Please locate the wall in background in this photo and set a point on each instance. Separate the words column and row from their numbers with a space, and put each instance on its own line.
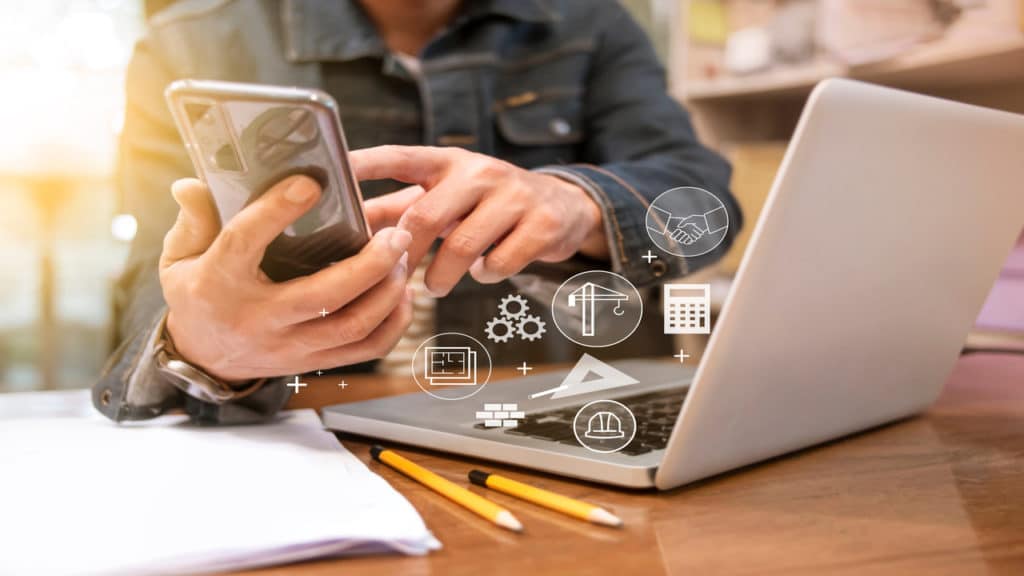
column 62, row 68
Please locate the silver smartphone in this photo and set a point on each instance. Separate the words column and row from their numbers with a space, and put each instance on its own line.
column 243, row 138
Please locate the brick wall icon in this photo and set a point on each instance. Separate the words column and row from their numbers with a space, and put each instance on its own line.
column 500, row 415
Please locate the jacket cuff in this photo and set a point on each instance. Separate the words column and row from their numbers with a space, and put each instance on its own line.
column 130, row 387
column 625, row 213
column 260, row 406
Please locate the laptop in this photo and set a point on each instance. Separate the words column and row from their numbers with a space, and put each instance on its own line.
column 884, row 230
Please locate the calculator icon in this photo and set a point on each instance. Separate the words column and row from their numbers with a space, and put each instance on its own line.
column 687, row 308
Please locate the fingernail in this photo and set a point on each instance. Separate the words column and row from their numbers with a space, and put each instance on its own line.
column 299, row 191
column 400, row 240
column 403, row 263
column 478, row 270
column 176, row 192
column 437, row 293
column 179, row 187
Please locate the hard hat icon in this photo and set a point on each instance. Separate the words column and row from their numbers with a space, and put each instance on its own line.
column 604, row 426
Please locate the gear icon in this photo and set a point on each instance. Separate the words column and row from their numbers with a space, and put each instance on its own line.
column 538, row 330
column 522, row 306
column 502, row 335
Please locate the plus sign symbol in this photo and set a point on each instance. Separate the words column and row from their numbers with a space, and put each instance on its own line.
column 296, row 385
column 682, row 356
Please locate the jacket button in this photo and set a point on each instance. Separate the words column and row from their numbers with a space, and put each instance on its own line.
column 560, row 127
column 658, row 268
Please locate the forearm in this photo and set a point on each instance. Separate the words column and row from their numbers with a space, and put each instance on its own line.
column 623, row 191
column 640, row 143
column 133, row 387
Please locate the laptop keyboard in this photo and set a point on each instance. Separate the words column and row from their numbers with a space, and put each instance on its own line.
column 655, row 414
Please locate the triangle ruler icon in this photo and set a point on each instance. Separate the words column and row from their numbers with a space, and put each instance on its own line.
column 589, row 375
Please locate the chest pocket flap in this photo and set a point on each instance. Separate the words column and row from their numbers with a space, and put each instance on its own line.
column 541, row 118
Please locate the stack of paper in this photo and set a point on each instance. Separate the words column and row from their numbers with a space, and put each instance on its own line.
column 83, row 495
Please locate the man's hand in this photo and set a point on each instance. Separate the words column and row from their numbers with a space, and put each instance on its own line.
column 479, row 203
column 228, row 318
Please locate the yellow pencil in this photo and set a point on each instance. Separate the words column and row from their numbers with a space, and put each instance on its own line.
column 557, row 502
column 473, row 502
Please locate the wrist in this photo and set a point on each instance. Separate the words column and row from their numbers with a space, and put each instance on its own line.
column 191, row 379
column 595, row 242
column 175, row 341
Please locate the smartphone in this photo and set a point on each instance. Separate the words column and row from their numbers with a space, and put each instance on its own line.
column 244, row 138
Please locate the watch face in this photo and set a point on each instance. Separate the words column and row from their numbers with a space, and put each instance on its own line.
column 188, row 378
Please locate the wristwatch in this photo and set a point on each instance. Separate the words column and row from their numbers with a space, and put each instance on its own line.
column 192, row 380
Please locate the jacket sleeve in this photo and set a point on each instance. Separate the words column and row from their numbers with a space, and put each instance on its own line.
column 640, row 143
column 151, row 157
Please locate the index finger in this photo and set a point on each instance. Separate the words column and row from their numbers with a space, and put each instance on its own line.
column 423, row 165
column 387, row 210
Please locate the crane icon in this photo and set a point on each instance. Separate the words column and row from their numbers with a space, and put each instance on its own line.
column 587, row 296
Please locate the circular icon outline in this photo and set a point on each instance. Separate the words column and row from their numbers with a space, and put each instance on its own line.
column 476, row 389
column 681, row 254
column 632, row 434
column 554, row 307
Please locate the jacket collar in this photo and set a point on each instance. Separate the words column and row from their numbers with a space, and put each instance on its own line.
column 339, row 30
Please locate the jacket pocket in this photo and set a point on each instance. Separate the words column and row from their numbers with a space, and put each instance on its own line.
column 552, row 117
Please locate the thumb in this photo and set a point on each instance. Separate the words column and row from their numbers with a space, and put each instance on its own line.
column 197, row 224
column 385, row 211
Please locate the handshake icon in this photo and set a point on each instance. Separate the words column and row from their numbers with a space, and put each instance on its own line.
column 687, row 230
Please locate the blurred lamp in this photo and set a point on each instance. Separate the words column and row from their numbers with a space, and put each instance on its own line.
column 123, row 227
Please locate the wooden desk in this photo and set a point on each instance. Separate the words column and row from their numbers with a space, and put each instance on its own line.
column 938, row 494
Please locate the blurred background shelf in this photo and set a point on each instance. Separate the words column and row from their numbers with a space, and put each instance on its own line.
column 942, row 64
column 974, row 54
column 787, row 80
column 951, row 64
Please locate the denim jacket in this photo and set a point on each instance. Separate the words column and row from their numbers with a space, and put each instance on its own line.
column 568, row 87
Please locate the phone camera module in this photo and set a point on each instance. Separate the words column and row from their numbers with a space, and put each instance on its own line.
column 216, row 147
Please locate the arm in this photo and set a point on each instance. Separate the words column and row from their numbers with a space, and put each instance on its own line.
column 640, row 143
column 496, row 218
column 200, row 293
column 151, row 158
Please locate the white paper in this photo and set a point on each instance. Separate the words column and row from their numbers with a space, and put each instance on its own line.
column 81, row 495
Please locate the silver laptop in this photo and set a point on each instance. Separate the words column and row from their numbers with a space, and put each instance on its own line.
column 885, row 228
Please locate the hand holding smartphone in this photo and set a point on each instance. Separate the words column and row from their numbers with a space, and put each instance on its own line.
column 244, row 138
column 278, row 275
